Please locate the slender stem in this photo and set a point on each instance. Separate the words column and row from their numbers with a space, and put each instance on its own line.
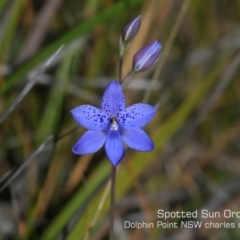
column 113, row 181
column 120, row 69
column 128, row 78
column 122, row 47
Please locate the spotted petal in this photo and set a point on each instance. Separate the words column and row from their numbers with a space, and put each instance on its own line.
column 113, row 99
column 91, row 117
column 136, row 116
column 137, row 139
column 114, row 147
column 90, row 142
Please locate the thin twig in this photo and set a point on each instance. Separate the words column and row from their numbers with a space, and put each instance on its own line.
column 113, row 181
column 50, row 140
column 209, row 103
column 100, row 206
column 29, row 86
column 167, row 49
column 39, row 29
column 214, row 95
column 25, row 164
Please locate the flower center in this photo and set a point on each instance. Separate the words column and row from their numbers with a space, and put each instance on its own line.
column 113, row 124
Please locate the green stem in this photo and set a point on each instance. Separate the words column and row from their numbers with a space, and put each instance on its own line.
column 120, row 69
column 128, row 78
column 113, row 183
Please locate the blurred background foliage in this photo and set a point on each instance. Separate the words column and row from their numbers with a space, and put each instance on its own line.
column 195, row 84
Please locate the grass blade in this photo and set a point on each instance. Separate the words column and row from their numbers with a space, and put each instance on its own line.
column 29, row 86
column 112, row 12
column 25, row 164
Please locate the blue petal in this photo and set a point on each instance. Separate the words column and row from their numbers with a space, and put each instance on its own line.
column 137, row 139
column 90, row 142
column 136, row 116
column 114, row 147
column 91, row 117
column 113, row 99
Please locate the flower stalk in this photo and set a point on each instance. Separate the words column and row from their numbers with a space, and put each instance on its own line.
column 122, row 46
column 127, row 79
column 120, row 69
column 112, row 204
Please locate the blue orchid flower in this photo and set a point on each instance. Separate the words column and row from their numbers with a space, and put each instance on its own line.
column 113, row 125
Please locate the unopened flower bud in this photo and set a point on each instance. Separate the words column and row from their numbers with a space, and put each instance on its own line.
column 146, row 57
column 131, row 29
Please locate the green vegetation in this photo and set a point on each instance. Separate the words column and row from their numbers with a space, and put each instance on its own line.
column 196, row 161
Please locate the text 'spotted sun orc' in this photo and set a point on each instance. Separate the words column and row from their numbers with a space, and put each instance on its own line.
column 115, row 124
